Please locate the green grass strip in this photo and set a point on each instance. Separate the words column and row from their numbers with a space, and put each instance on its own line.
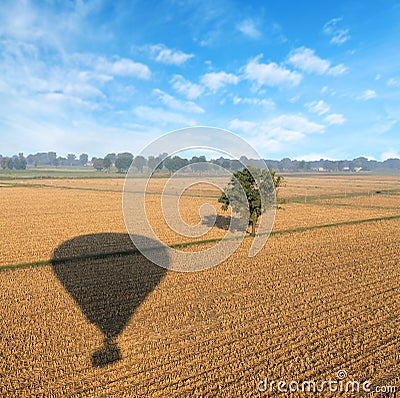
column 338, row 224
column 307, row 199
column 356, row 206
column 191, row 243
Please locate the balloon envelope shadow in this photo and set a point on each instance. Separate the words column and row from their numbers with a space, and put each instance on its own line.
column 108, row 278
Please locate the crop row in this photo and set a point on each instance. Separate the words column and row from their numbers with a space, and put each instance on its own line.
column 308, row 305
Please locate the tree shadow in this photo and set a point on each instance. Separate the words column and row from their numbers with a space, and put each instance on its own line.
column 108, row 278
column 223, row 222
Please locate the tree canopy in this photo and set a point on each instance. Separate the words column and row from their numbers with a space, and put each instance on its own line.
column 98, row 164
column 175, row 163
column 123, row 161
column 140, row 162
column 259, row 186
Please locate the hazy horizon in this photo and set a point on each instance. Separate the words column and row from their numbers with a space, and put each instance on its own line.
column 196, row 153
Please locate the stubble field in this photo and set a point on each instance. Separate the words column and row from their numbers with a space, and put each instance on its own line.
column 96, row 318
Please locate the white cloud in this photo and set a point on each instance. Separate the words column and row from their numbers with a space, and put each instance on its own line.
column 174, row 103
column 295, row 98
column 383, row 126
column 66, row 101
column 20, row 20
column 264, row 102
column 337, row 70
column 168, row 56
column 267, row 145
column 185, row 87
column 160, row 116
column 94, row 77
column 270, row 74
column 338, row 35
column 216, row 80
column 319, row 107
column 243, row 125
column 297, row 123
column 328, row 91
column 390, row 155
column 103, row 69
column 282, row 128
column 257, row 137
column 367, row 95
column 394, row 82
column 307, row 61
column 248, row 28
column 53, row 26
column 335, row 118
column 124, row 67
column 54, row 90
column 83, row 90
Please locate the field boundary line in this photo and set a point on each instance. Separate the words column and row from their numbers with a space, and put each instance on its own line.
column 355, row 206
column 314, row 198
column 191, row 243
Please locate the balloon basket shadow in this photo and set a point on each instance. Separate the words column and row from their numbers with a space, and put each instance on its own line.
column 106, row 355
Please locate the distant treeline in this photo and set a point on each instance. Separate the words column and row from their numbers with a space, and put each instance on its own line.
column 122, row 161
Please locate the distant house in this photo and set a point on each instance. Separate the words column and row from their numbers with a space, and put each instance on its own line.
column 357, row 169
column 346, row 168
column 89, row 164
column 321, row 169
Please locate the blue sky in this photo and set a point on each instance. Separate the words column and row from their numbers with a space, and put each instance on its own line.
column 305, row 80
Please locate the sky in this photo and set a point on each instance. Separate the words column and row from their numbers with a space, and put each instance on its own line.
column 299, row 79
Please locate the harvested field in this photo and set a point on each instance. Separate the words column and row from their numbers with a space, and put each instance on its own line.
column 299, row 187
column 372, row 200
column 156, row 185
column 98, row 319
column 312, row 303
column 296, row 187
column 88, row 183
column 295, row 215
column 34, row 212
column 42, row 219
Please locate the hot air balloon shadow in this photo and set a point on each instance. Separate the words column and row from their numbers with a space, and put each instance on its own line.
column 108, row 278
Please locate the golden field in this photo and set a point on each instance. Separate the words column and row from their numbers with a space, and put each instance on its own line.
column 337, row 185
column 372, row 200
column 297, row 186
column 35, row 211
column 312, row 302
column 34, row 237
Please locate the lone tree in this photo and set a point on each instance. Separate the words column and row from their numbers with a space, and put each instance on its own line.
column 267, row 181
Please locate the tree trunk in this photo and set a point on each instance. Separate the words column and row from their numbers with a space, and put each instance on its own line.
column 253, row 221
column 253, row 229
